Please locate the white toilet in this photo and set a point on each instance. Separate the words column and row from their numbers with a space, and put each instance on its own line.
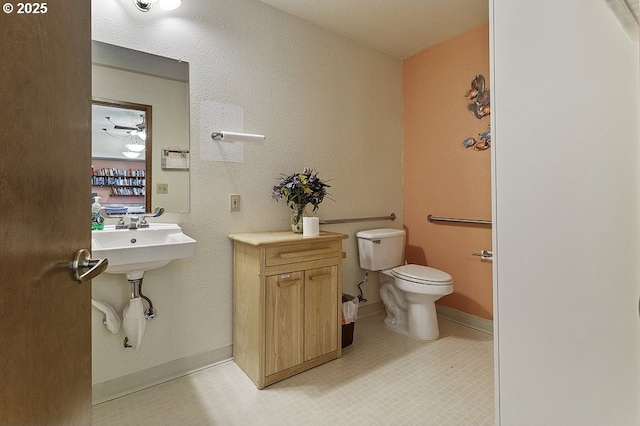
column 408, row 292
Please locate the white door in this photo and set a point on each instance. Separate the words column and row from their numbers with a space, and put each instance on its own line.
column 566, row 207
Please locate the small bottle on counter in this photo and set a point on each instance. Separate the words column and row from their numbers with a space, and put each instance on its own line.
column 97, row 221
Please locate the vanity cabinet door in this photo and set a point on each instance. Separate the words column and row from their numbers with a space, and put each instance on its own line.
column 321, row 311
column 284, row 316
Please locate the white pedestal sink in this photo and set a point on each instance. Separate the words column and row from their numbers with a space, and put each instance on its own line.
column 133, row 251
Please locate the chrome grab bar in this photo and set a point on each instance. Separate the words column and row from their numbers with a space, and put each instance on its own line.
column 431, row 219
column 391, row 217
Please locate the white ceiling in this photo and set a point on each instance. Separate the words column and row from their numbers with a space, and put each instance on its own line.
column 400, row 28
column 111, row 144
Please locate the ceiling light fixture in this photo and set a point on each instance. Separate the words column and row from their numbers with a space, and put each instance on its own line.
column 135, row 147
column 131, row 154
column 169, row 4
column 134, row 142
column 145, row 5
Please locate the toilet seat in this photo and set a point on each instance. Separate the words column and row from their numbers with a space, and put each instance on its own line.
column 423, row 275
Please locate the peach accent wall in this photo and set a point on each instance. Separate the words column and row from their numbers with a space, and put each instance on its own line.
column 442, row 178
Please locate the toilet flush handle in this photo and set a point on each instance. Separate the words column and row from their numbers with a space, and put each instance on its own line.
column 484, row 254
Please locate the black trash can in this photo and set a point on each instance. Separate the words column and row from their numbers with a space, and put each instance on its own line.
column 349, row 314
column 347, row 334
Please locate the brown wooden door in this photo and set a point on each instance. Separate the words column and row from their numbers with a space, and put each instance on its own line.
column 45, row 110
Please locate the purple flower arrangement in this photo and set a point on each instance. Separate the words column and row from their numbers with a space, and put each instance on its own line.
column 300, row 189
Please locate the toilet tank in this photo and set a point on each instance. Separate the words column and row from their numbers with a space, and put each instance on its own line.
column 380, row 249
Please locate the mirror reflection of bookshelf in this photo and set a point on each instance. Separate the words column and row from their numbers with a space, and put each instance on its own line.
column 128, row 182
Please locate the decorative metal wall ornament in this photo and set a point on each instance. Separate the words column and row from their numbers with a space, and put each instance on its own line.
column 485, row 140
column 480, row 107
column 469, row 142
column 480, row 97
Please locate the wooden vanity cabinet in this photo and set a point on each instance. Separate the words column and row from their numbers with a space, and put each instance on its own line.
column 287, row 303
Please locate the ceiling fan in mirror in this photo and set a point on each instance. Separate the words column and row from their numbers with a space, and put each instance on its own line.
column 136, row 133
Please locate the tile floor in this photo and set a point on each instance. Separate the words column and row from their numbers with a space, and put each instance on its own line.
column 383, row 378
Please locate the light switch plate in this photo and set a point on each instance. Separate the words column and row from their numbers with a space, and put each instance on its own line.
column 162, row 188
column 234, row 203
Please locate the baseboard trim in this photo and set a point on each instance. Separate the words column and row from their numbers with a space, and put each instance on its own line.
column 468, row 320
column 370, row 309
column 115, row 388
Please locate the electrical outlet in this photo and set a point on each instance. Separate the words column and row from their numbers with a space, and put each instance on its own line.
column 234, row 201
column 162, row 188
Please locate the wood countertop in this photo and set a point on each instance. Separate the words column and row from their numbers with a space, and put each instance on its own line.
column 277, row 237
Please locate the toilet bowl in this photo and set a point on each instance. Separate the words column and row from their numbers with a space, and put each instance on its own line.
column 409, row 292
column 420, row 286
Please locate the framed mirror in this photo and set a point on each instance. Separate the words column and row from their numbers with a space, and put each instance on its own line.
column 146, row 98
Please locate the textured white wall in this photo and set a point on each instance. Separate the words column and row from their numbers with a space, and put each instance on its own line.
column 322, row 100
column 565, row 109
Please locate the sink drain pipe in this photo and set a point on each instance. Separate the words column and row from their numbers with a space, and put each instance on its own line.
column 136, row 291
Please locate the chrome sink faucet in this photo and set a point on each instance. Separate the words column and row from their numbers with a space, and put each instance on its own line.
column 133, row 224
column 120, row 224
column 157, row 212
